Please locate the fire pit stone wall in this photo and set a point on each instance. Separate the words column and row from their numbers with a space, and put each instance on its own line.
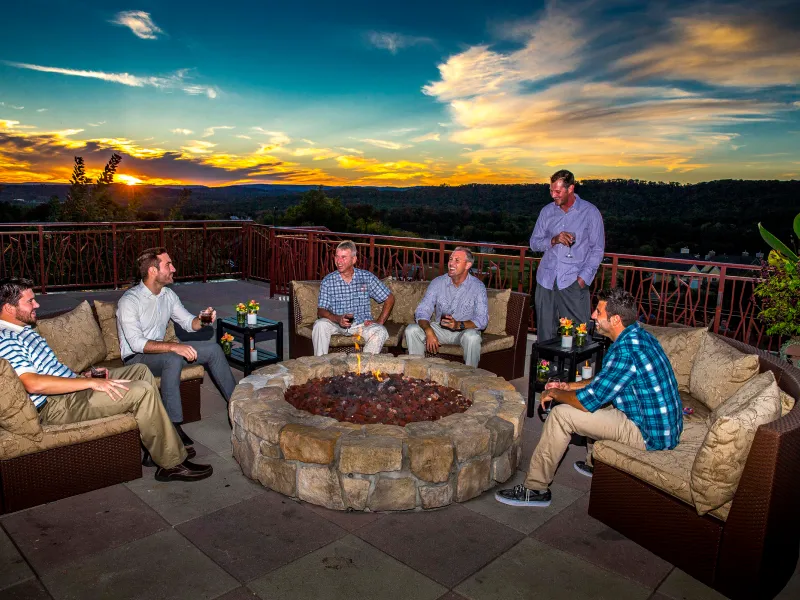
column 342, row 465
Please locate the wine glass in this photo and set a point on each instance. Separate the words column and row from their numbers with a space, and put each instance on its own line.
column 546, row 411
column 574, row 239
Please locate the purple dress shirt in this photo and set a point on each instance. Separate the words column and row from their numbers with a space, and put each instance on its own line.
column 584, row 220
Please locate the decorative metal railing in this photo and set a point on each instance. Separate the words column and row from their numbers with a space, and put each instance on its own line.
column 689, row 292
column 95, row 255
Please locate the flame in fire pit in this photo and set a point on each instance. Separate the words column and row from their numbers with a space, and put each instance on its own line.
column 377, row 375
column 358, row 340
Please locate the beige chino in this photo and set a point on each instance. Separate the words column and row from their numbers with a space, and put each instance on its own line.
column 142, row 400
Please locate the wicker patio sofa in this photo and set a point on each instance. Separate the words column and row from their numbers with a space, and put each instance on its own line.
column 503, row 348
column 745, row 548
column 41, row 464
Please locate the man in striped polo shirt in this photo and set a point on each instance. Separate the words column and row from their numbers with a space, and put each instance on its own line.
column 61, row 396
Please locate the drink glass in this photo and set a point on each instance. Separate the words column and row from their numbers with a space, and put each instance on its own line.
column 99, row 372
column 574, row 239
column 447, row 316
column 546, row 410
column 349, row 318
column 205, row 316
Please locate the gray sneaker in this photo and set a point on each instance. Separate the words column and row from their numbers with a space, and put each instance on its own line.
column 584, row 469
column 519, row 495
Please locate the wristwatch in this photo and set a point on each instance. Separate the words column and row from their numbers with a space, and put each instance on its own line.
column 461, row 325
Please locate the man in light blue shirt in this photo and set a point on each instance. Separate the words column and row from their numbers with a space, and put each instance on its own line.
column 570, row 233
column 460, row 309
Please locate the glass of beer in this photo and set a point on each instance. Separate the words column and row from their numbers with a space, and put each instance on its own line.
column 205, row 316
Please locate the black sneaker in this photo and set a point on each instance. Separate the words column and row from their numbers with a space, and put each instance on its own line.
column 519, row 495
column 584, row 469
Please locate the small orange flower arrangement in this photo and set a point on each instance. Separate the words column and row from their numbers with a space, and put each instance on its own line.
column 581, row 330
column 226, row 341
column 566, row 326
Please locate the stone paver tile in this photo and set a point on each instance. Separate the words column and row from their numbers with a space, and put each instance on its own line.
column 179, row 501
column 680, row 586
column 258, row 535
column 533, row 570
column 211, row 401
column 241, row 593
column 213, row 432
column 72, row 528
column 29, row 590
column 163, row 565
column 791, row 591
column 566, row 473
column 349, row 521
column 346, row 569
column 575, row 532
column 446, row 545
column 523, row 519
column 452, row 596
column 13, row 568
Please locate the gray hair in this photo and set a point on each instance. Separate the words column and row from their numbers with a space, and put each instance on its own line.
column 347, row 245
column 467, row 251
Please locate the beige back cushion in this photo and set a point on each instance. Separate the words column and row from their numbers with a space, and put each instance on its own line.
column 498, row 311
column 681, row 346
column 407, row 296
column 306, row 294
column 17, row 413
column 107, row 315
column 75, row 337
column 720, row 461
column 719, row 370
column 787, row 403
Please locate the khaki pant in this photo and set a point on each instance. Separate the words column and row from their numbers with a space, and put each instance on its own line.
column 469, row 340
column 142, row 400
column 564, row 420
column 373, row 336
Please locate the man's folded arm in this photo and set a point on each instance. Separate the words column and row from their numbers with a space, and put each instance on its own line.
column 49, row 385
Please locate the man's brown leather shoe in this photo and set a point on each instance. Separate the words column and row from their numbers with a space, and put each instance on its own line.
column 186, row 471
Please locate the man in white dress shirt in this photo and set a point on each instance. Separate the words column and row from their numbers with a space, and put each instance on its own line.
column 143, row 313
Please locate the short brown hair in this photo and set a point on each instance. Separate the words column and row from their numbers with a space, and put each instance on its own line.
column 11, row 289
column 348, row 245
column 619, row 302
column 149, row 258
column 566, row 176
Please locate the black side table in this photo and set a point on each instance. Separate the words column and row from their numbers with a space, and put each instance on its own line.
column 568, row 358
column 240, row 357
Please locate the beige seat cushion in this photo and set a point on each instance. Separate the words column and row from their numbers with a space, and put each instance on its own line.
column 407, row 296
column 187, row 373
column 55, row 436
column 787, row 403
column 668, row 470
column 75, row 337
column 719, row 370
column 681, row 346
column 498, row 311
column 18, row 415
column 306, row 295
column 721, row 458
column 107, row 315
column 395, row 331
column 701, row 411
column 489, row 343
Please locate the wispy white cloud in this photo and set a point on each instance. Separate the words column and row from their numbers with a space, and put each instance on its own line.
column 386, row 144
column 402, row 131
column 12, row 106
column 350, row 150
column 97, row 124
column 41, row 110
column 139, row 22
column 309, row 142
column 175, row 81
column 275, row 137
column 393, row 42
column 209, row 131
column 244, row 137
column 198, row 147
column 182, row 131
column 433, row 136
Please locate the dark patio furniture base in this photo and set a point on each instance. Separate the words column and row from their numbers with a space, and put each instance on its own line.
column 57, row 473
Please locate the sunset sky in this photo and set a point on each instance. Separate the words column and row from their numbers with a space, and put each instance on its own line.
column 399, row 94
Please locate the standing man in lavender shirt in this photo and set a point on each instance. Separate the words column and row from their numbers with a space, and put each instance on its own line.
column 460, row 308
column 570, row 233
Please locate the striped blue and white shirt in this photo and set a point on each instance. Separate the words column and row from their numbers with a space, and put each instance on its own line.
column 28, row 352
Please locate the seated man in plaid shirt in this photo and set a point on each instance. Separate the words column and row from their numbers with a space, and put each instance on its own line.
column 633, row 400
column 343, row 306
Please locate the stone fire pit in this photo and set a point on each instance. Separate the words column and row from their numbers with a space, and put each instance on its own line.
column 343, row 466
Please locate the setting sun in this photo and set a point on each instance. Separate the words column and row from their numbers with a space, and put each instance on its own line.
column 128, row 179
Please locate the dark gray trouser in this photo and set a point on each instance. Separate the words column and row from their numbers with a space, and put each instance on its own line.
column 168, row 366
column 572, row 302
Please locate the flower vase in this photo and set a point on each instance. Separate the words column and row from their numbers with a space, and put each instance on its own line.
column 541, row 375
column 252, row 318
column 580, row 340
column 566, row 341
column 241, row 318
column 226, row 348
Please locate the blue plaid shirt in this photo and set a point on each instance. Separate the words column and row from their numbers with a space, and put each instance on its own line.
column 341, row 298
column 638, row 379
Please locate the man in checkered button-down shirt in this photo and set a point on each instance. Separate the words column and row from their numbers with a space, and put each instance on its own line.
column 344, row 308
column 633, row 400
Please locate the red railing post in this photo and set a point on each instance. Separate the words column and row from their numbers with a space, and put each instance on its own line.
column 521, row 268
column 205, row 251
column 441, row 258
column 372, row 254
column 247, row 249
column 42, row 273
column 273, row 257
column 720, row 295
column 614, row 265
column 114, row 255
column 310, row 256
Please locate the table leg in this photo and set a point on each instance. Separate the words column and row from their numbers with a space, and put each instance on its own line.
column 279, row 342
column 246, row 336
column 532, row 381
column 220, row 329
